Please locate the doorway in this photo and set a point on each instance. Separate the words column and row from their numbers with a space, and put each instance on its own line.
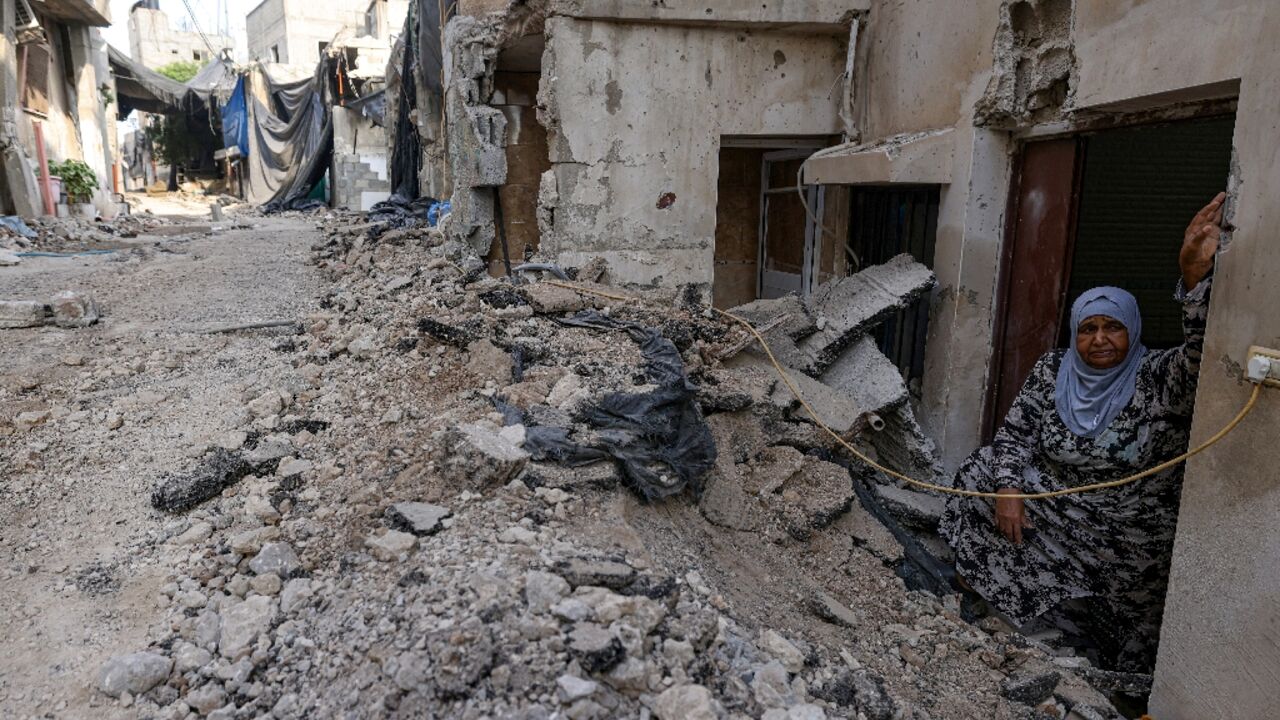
column 1103, row 208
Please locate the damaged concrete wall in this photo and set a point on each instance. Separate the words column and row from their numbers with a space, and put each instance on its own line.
column 1167, row 51
column 1048, row 65
column 477, row 132
column 904, row 85
column 18, row 193
column 360, row 175
column 634, row 115
column 1218, row 651
column 1034, row 64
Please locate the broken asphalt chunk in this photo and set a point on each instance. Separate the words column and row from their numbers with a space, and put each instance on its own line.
column 446, row 334
column 216, row 471
column 1030, row 689
column 595, row 649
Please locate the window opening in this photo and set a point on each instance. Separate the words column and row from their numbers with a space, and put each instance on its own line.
column 885, row 222
column 788, row 236
column 35, row 71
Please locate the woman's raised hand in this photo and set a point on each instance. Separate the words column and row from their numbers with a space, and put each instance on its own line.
column 1200, row 242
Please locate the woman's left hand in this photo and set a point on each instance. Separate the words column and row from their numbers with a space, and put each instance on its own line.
column 1200, row 242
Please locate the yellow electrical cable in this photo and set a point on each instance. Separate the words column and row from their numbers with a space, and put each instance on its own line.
column 1248, row 407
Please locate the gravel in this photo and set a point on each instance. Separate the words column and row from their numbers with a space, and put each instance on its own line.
column 428, row 566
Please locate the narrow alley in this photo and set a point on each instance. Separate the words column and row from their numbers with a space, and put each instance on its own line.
column 655, row 359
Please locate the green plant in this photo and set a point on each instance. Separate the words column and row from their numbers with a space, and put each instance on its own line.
column 182, row 70
column 175, row 141
column 78, row 179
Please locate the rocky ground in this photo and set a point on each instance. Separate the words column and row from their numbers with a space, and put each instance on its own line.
column 335, row 519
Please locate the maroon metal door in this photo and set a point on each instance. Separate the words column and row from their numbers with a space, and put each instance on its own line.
column 1035, row 267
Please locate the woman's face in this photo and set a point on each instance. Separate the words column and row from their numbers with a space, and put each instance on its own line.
column 1102, row 341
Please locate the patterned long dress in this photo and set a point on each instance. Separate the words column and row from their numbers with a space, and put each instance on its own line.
column 1106, row 552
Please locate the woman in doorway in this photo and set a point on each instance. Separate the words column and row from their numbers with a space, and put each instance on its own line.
column 1103, row 409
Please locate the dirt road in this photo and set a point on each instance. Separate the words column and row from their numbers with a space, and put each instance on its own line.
column 128, row 399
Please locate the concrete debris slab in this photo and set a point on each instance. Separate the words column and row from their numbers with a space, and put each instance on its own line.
column 686, row 702
column 543, row 590
column 596, row 649
column 850, row 306
column 912, row 508
column 575, row 688
column 417, row 518
column 488, row 361
column 133, row 673
column 249, row 542
column 206, row 698
column 22, row 313
column 476, row 456
column 291, row 466
column 553, row 299
column 602, row 573
column 831, row 610
column 8, row 258
column 27, row 420
column 243, row 623
column 788, row 313
column 783, row 650
column 903, row 445
column 838, row 410
column 277, row 558
column 390, row 545
column 73, row 310
column 867, row 376
column 869, row 533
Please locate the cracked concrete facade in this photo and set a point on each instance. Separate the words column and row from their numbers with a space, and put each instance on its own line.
column 635, row 98
column 633, row 178
column 1006, row 72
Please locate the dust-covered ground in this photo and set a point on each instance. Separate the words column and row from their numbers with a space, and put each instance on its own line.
column 351, row 527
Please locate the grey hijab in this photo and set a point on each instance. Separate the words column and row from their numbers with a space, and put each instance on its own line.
column 1088, row 399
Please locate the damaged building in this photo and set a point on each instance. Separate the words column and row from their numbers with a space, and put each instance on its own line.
column 1022, row 150
column 55, row 91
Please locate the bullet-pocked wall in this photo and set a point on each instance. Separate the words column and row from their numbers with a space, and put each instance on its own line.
column 634, row 114
column 914, row 74
column 1010, row 71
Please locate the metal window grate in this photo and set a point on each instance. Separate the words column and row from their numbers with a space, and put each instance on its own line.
column 24, row 18
column 885, row 222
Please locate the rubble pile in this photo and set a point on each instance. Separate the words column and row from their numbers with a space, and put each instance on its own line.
column 60, row 235
column 448, row 509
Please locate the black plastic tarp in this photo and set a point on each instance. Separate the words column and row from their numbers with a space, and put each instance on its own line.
column 372, row 106
column 417, row 62
column 658, row 439
column 290, row 138
column 138, row 88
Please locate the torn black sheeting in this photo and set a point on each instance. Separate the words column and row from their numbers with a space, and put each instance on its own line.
column 659, row 439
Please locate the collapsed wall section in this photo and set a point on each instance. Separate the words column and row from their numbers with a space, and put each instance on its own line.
column 1035, row 73
column 634, row 115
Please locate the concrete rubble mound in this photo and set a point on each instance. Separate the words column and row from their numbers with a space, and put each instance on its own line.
column 455, row 533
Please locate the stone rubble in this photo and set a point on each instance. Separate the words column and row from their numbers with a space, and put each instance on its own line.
column 325, row 562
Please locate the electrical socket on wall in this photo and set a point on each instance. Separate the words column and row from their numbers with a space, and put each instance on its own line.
column 1264, row 365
